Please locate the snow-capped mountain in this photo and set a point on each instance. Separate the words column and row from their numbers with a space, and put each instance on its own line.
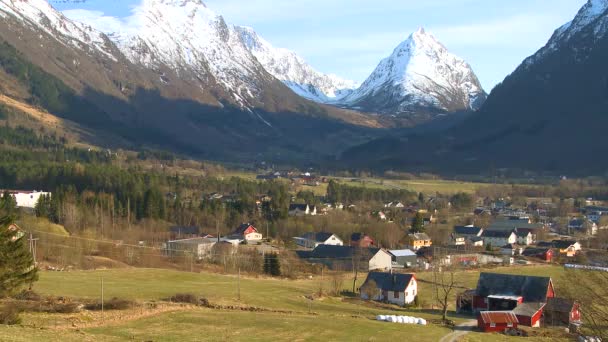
column 290, row 68
column 592, row 16
column 420, row 74
column 40, row 14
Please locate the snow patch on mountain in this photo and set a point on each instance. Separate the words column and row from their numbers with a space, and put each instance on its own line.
column 593, row 14
column 39, row 14
column 293, row 70
column 189, row 38
column 421, row 73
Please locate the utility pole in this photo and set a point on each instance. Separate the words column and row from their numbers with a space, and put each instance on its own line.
column 102, row 318
column 239, row 283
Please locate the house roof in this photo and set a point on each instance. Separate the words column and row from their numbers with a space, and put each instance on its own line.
column 295, row 206
column 390, row 281
column 185, row 230
column 562, row 244
column 522, row 233
column 528, row 309
column 498, row 317
column 535, row 251
column 401, row 252
column 240, row 230
column 419, row 236
column 497, row 233
column 467, row 230
column 514, row 224
column 559, row 305
column 193, row 241
column 340, row 252
column 532, row 288
column 318, row 237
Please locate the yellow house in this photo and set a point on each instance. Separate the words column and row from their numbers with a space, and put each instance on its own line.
column 416, row 241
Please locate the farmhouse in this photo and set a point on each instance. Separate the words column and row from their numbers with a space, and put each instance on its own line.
column 312, row 240
column 496, row 321
column 567, row 247
column 302, row 210
column 529, row 314
column 519, row 225
column 545, row 254
column 395, row 288
column 348, row 258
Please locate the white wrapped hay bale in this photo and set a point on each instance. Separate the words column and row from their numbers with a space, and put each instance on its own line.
column 421, row 321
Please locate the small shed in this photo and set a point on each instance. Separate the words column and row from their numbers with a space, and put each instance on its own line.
column 529, row 314
column 496, row 321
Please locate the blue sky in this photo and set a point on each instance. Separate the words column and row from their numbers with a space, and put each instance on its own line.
column 350, row 37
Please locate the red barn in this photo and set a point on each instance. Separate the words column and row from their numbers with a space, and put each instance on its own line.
column 497, row 291
column 545, row 254
column 496, row 321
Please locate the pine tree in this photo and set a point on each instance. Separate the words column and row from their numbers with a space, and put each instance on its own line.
column 16, row 263
column 418, row 224
column 275, row 265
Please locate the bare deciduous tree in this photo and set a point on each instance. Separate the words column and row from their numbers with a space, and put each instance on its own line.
column 444, row 284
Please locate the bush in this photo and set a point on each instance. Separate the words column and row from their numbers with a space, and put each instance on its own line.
column 9, row 314
column 28, row 295
column 188, row 298
column 112, row 304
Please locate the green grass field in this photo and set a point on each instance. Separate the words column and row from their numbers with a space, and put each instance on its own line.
column 332, row 318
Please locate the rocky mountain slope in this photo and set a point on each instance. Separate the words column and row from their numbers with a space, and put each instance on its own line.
column 547, row 116
column 293, row 70
column 419, row 76
column 174, row 75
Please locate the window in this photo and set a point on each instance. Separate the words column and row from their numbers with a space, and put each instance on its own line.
column 492, row 325
column 395, row 294
column 510, row 325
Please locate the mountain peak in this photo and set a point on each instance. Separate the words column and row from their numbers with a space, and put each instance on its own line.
column 178, row 3
column 419, row 74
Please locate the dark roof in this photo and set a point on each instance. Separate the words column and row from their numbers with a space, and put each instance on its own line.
column 318, row 237
column 508, row 246
column 528, row 309
column 295, row 206
column 465, row 230
column 535, row 251
column 532, row 288
column 242, row 228
column 563, row 243
column 522, row 233
column 559, row 305
column 387, row 281
column 496, row 233
column 545, row 244
column 193, row 230
column 339, row 252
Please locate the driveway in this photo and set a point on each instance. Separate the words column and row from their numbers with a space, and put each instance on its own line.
column 459, row 331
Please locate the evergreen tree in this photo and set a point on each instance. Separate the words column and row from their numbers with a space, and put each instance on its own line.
column 8, row 204
column 275, row 265
column 418, row 224
column 16, row 263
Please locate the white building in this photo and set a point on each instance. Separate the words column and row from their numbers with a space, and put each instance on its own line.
column 312, row 240
column 498, row 238
column 302, row 210
column 395, row 288
column 27, row 199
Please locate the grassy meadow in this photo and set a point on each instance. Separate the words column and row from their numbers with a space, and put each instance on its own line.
column 322, row 319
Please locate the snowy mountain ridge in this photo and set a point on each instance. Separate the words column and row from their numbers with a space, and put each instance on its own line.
column 420, row 73
column 293, row 70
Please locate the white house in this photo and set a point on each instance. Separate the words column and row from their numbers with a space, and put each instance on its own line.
column 27, row 199
column 524, row 238
column 498, row 237
column 302, row 210
column 395, row 288
column 382, row 260
column 312, row 240
column 246, row 232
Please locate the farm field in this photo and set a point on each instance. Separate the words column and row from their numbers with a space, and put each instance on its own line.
column 329, row 318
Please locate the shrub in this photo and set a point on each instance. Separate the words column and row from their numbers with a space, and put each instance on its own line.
column 188, row 298
column 28, row 295
column 111, row 304
column 9, row 314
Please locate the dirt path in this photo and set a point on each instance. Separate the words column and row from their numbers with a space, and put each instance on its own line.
column 459, row 331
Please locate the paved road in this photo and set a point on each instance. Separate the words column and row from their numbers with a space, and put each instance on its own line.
column 459, row 331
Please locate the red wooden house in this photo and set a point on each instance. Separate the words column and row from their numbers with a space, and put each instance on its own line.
column 561, row 311
column 545, row 254
column 496, row 321
column 361, row 240
column 529, row 314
